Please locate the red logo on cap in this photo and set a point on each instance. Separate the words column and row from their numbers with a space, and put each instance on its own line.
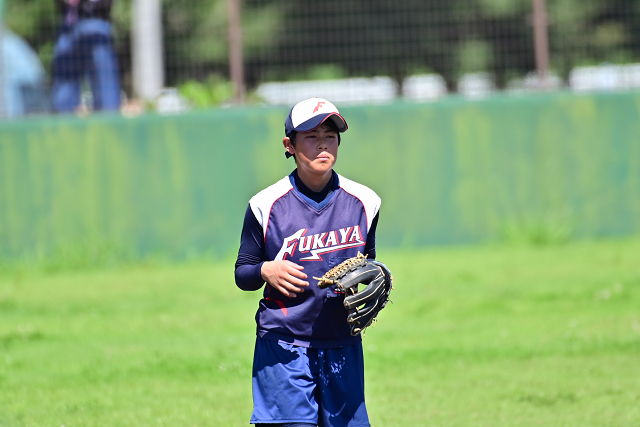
column 320, row 104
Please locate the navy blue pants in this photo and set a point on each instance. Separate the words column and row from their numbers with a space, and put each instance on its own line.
column 85, row 49
column 318, row 386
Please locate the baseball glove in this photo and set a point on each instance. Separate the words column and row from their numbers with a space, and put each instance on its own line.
column 365, row 305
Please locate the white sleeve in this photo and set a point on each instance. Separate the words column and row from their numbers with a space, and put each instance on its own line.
column 367, row 196
column 262, row 202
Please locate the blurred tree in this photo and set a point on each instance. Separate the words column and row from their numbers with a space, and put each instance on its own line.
column 594, row 32
column 284, row 39
column 35, row 21
column 195, row 34
column 387, row 37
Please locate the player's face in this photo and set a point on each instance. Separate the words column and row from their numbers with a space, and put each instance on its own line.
column 317, row 150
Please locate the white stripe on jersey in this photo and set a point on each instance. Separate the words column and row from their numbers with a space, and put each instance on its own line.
column 262, row 202
column 367, row 196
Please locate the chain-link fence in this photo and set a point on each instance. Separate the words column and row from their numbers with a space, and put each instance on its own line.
column 351, row 51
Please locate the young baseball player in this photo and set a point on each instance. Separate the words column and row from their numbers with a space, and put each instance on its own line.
column 308, row 370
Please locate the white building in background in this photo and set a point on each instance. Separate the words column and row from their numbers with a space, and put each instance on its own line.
column 424, row 87
column 476, row 85
column 432, row 87
column 605, row 77
column 373, row 90
column 533, row 83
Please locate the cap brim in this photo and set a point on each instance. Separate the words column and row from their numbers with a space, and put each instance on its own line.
column 316, row 121
column 340, row 122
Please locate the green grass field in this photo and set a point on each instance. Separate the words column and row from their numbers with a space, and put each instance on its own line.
column 477, row 336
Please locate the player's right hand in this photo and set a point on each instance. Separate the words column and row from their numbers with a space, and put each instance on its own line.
column 286, row 276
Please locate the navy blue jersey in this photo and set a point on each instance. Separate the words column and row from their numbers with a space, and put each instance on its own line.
column 317, row 236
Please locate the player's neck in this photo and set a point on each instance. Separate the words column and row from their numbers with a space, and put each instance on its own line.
column 315, row 182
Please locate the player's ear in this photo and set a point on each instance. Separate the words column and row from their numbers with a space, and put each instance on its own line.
column 288, row 146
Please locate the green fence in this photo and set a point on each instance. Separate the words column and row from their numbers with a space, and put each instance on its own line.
column 537, row 167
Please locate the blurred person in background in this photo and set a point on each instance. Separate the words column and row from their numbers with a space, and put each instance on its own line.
column 23, row 80
column 84, row 48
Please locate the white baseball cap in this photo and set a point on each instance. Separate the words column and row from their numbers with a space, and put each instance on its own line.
column 309, row 114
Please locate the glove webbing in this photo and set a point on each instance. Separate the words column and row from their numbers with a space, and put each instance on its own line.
column 331, row 277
